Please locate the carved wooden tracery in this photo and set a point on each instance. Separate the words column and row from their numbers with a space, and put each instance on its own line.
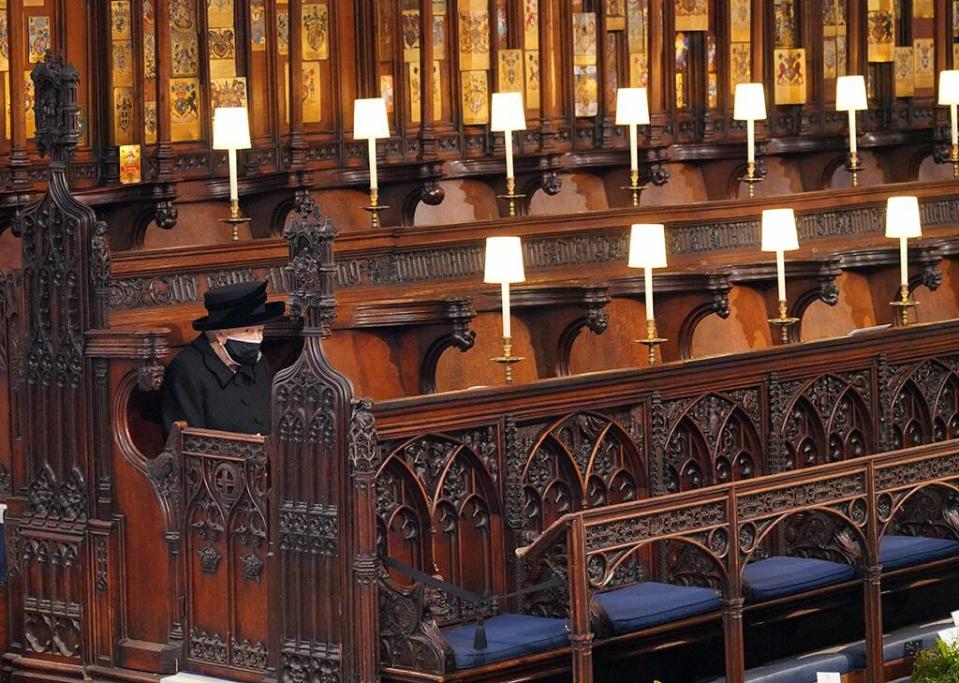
column 827, row 419
column 713, row 439
column 925, row 403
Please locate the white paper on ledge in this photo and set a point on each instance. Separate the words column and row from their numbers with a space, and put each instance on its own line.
column 184, row 677
column 949, row 636
column 955, row 618
column 828, row 677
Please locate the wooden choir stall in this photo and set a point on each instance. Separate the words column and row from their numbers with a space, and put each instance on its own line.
column 672, row 395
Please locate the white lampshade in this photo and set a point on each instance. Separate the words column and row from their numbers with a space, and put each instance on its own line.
column 231, row 128
column 632, row 107
column 902, row 217
column 851, row 93
column 508, row 112
column 779, row 230
column 504, row 260
column 949, row 87
column 750, row 102
column 369, row 119
column 647, row 246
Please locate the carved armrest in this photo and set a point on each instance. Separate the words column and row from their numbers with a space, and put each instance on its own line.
column 410, row 636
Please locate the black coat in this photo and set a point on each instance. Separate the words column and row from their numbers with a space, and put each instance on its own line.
column 201, row 390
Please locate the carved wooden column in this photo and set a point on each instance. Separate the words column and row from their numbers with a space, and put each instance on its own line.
column 313, row 522
column 166, row 213
column 872, row 584
column 18, row 133
column 732, row 603
column 364, row 462
column 580, row 635
column 62, row 556
column 297, row 144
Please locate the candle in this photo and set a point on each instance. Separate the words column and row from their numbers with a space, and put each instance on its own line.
column 751, row 141
column 634, row 151
column 234, row 191
column 955, row 124
column 374, row 181
column 781, row 274
column 903, row 262
column 506, row 327
column 648, row 288
column 852, row 131
column 508, row 139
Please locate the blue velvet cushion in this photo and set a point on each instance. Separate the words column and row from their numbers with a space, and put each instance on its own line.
column 801, row 669
column 650, row 603
column 903, row 551
column 894, row 644
column 779, row 576
column 507, row 636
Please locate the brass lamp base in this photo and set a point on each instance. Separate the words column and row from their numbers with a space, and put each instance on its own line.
column 903, row 305
column 751, row 178
column 634, row 187
column 507, row 359
column 954, row 160
column 511, row 195
column 375, row 208
column 783, row 322
column 235, row 220
column 652, row 341
column 854, row 167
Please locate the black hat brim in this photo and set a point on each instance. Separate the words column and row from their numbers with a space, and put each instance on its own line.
column 271, row 310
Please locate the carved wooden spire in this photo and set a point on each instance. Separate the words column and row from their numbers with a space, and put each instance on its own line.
column 312, row 266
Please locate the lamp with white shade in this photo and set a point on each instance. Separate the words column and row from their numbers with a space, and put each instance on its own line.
column 371, row 123
column 632, row 109
column 508, row 115
column 949, row 97
column 231, row 131
column 504, row 266
column 779, row 235
column 851, row 97
column 750, row 106
column 647, row 250
column 903, row 222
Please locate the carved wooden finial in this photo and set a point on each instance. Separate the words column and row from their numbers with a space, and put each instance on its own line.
column 312, row 266
column 55, row 107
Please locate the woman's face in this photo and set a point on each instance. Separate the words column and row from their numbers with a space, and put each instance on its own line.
column 246, row 334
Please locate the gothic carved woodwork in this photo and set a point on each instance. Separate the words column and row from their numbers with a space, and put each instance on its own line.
column 225, row 535
column 924, row 404
column 711, row 440
column 310, row 468
column 825, row 420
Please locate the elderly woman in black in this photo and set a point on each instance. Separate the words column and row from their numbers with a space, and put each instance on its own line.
column 221, row 380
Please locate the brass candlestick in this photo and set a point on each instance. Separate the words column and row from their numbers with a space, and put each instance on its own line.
column 651, row 341
column 235, row 220
column 854, row 167
column 507, row 359
column 511, row 195
column 954, row 160
column 634, row 187
column 752, row 178
column 904, row 304
column 374, row 208
column 783, row 322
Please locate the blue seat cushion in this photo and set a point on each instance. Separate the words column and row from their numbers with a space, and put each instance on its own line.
column 903, row 551
column 894, row 644
column 507, row 636
column 779, row 576
column 650, row 603
column 802, row 669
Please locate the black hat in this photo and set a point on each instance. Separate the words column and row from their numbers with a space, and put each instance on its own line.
column 239, row 305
